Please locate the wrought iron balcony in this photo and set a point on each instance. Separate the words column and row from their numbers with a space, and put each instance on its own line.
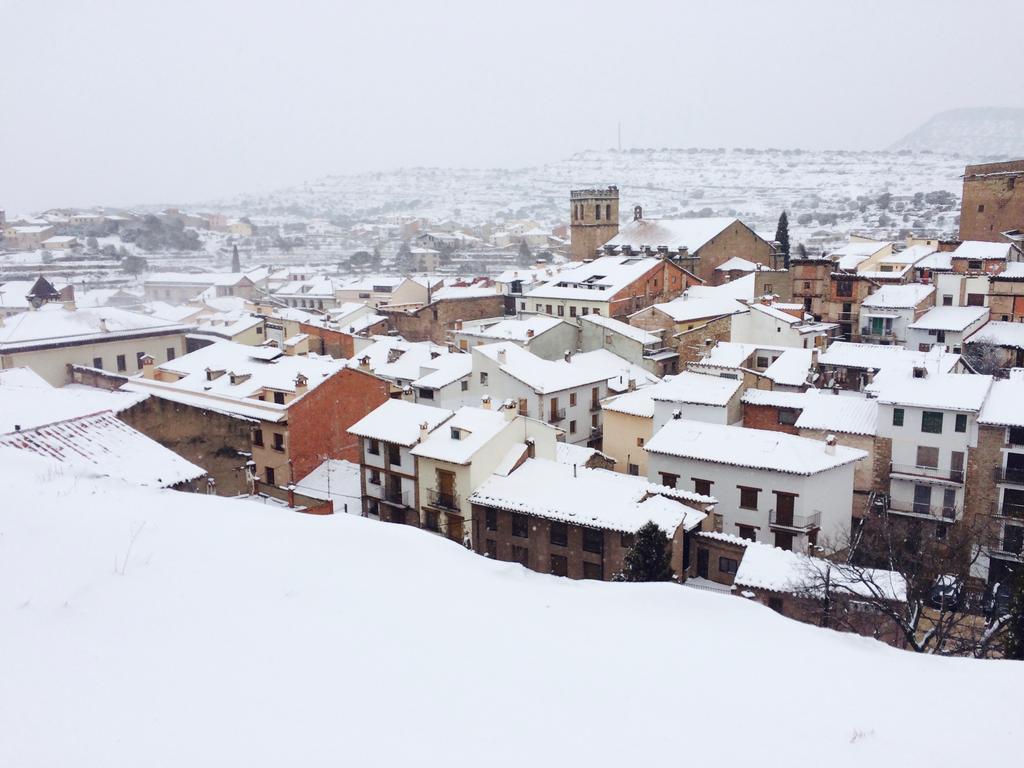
column 396, row 497
column 443, row 500
column 940, row 513
column 932, row 473
column 1006, row 509
column 1008, row 475
column 555, row 415
column 794, row 522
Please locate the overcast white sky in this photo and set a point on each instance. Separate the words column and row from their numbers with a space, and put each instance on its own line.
column 149, row 101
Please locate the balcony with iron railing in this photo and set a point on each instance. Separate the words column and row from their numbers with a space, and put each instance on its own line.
column 1008, row 475
column 885, row 334
column 846, row 317
column 913, row 471
column 448, row 500
column 794, row 522
column 1007, row 509
column 941, row 513
column 556, row 415
column 396, row 497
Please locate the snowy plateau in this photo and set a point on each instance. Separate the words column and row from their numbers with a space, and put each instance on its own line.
column 152, row 628
column 828, row 194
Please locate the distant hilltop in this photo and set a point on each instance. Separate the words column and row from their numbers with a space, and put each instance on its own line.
column 974, row 134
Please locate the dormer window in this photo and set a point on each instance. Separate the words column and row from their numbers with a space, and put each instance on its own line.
column 456, row 433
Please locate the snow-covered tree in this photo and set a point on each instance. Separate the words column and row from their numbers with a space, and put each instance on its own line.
column 649, row 559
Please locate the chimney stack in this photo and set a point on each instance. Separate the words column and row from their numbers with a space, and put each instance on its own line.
column 529, row 333
column 502, row 357
column 830, row 445
column 364, row 363
column 485, row 402
column 147, row 366
column 631, row 385
column 511, row 410
column 567, row 355
column 301, row 385
column 424, row 431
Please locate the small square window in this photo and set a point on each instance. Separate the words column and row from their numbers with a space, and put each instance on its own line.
column 483, row 377
column 728, row 565
column 748, row 498
column 559, row 565
column 593, row 541
column 572, row 427
column 931, row 422
column 465, row 385
column 560, row 534
column 520, row 526
column 492, row 519
column 639, row 442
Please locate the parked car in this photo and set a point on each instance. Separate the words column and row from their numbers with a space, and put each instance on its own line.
column 997, row 602
column 946, row 593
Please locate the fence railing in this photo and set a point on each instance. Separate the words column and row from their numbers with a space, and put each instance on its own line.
column 443, row 499
column 936, row 473
column 798, row 522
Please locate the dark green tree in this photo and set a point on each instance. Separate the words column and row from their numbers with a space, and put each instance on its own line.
column 134, row 265
column 525, row 257
column 782, row 237
column 1015, row 619
column 403, row 259
column 236, row 264
column 649, row 559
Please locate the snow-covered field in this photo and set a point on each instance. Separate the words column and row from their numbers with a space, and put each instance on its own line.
column 836, row 189
column 149, row 628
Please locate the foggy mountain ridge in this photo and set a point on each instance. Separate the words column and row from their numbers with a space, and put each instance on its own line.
column 981, row 134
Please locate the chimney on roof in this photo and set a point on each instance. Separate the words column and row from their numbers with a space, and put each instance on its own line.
column 424, row 431
column 103, row 325
column 147, row 366
column 502, row 357
column 529, row 333
column 301, row 385
column 485, row 402
column 364, row 363
column 567, row 355
column 511, row 410
column 677, row 414
column 871, row 375
column 830, row 445
column 457, row 325
column 631, row 385
column 638, row 213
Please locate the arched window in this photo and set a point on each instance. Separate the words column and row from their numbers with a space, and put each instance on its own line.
column 597, row 211
column 608, row 212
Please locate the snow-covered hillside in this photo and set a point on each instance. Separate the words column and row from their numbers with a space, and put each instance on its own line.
column 836, row 191
column 147, row 628
column 989, row 133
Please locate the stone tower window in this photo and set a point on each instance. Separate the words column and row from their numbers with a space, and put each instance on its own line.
column 608, row 212
column 597, row 211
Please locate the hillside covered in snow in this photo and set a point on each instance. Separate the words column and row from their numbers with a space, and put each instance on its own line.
column 142, row 627
column 827, row 193
column 980, row 134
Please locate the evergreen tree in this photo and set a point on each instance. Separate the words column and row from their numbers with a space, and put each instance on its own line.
column 403, row 259
column 649, row 557
column 1015, row 626
column 236, row 264
column 782, row 237
column 802, row 250
column 525, row 257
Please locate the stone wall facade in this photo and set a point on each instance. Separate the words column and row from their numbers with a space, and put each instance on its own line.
column 432, row 322
column 735, row 240
column 992, row 201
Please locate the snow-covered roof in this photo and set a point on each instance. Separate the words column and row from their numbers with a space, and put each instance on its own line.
column 27, row 400
column 398, row 421
column 463, row 292
column 736, row 264
column 899, row 296
column 740, row 288
column 792, row 367
column 950, row 391
column 910, row 256
column 228, row 324
column 1001, row 333
column 852, row 254
column 103, row 444
column 981, row 250
column 940, row 260
column 1003, row 405
column 514, row 329
column 621, row 328
column 689, row 307
column 595, row 498
column 773, row 397
column 444, row 370
column 243, row 371
column 475, row 428
column 846, row 354
column 687, row 387
column 583, row 368
column 838, row 413
column 674, row 234
column 949, row 318
column 597, row 280
column 53, row 324
column 751, row 448
column 335, row 480
column 781, row 570
column 570, row 453
column 1014, row 271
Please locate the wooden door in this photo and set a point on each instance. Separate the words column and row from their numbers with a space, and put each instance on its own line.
column 446, row 489
column 784, row 508
column 703, row 558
